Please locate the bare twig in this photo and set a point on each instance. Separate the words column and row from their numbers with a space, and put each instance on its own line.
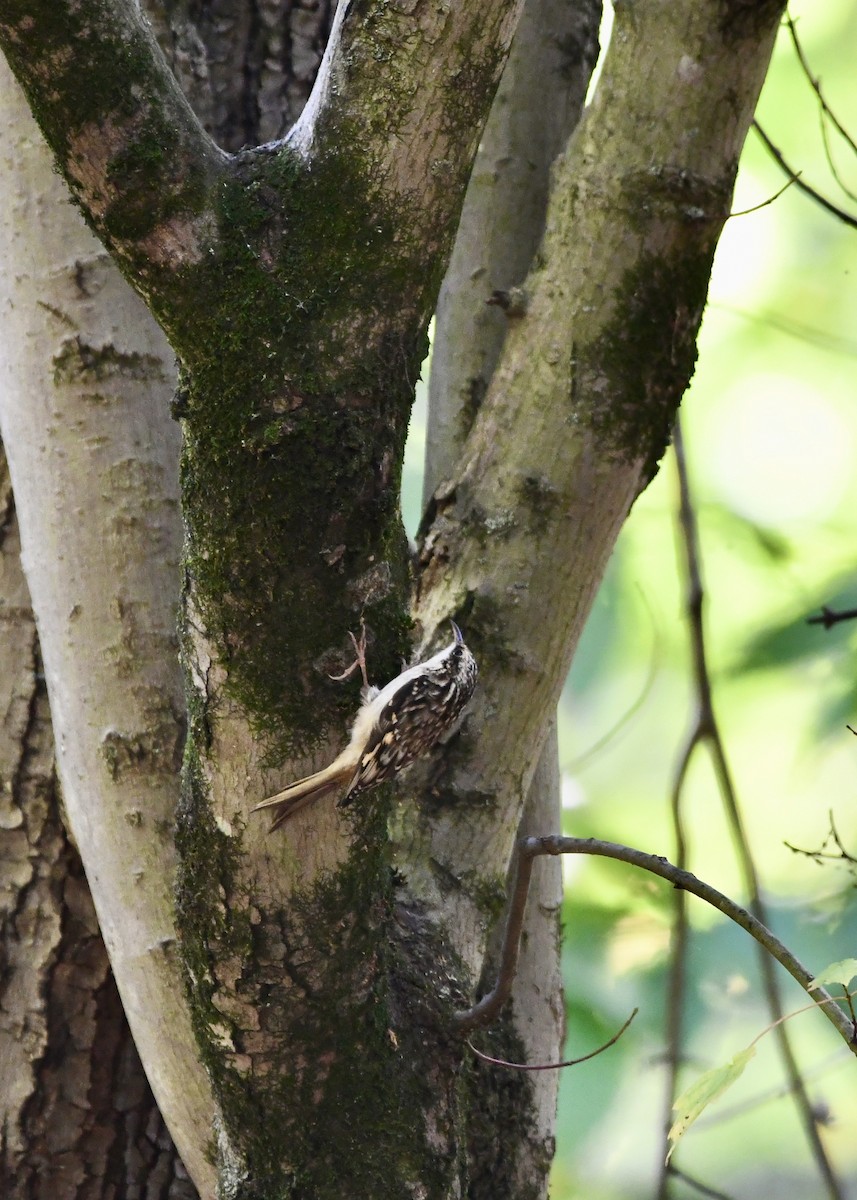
column 828, row 617
column 745, row 212
column 702, row 1188
column 816, row 86
column 555, row 1066
column 828, row 205
column 533, row 847
column 828, row 154
column 706, row 729
column 840, row 854
column 825, row 112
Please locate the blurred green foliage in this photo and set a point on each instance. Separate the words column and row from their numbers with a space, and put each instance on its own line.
column 771, row 431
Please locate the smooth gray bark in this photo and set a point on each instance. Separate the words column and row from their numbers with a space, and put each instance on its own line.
column 538, row 103
column 581, row 404
column 86, row 378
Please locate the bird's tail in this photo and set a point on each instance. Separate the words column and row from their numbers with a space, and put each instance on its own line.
column 305, row 791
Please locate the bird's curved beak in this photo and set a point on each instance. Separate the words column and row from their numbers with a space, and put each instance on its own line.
column 457, row 632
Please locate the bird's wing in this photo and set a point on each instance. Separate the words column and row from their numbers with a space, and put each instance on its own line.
column 401, row 734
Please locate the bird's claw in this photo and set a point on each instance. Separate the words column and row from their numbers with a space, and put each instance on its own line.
column 360, row 659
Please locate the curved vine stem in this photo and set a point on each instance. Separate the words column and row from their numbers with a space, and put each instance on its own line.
column 533, row 847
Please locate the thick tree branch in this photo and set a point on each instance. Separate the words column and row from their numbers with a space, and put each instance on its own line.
column 411, row 86
column 538, row 103
column 543, row 486
column 85, row 381
column 394, row 115
column 125, row 138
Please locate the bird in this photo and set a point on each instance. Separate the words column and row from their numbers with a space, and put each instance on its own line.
column 395, row 725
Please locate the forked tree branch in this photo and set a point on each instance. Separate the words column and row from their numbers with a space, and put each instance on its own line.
column 161, row 194
column 794, row 176
column 605, row 294
column 706, row 731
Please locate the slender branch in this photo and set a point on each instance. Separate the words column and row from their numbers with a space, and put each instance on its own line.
column 702, row 1188
column 828, row 154
column 707, row 730
column 828, row 617
column 840, row 855
column 554, row 1066
column 534, row 847
column 745, row 212
column 825, row 112
column 701, row 728
column 779, row 158
column 816, row 86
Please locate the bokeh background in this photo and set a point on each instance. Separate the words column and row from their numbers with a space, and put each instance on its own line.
column 770, row 426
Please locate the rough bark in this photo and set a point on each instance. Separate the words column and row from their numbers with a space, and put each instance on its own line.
column 86, row 382
column 247, row 69
column 288, row 355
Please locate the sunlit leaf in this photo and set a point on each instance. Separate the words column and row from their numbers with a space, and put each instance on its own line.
column 702, row 1091
column 839, row 972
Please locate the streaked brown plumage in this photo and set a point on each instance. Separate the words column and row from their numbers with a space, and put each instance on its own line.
column 395, row 726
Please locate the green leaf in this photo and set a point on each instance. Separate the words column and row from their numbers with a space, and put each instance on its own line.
column 839, row 972
column 706, row 1088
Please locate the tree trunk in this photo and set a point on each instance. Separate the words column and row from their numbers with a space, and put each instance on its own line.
column 87, row 379
column 78, row 1116
column 113, row 1139
column 295, row 281
column 538, row 103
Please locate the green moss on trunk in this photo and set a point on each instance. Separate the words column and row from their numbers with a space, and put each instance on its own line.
column 296, row 389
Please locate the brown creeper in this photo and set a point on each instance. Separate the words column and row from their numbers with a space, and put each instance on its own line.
column 394, row 727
